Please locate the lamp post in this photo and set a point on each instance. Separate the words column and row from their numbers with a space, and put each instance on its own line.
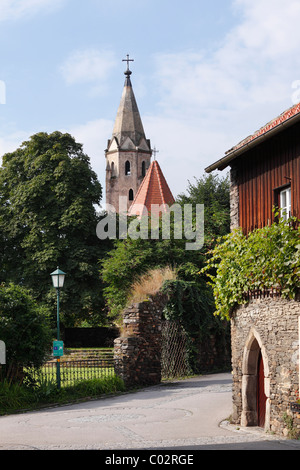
column 58, row 279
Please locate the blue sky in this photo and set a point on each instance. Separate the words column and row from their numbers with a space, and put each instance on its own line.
column 205, row 74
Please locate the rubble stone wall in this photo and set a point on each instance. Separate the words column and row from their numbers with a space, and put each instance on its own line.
column 270, row 326
column 137, row 351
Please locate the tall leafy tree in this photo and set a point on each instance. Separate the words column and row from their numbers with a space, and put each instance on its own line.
column 48, row 194
column 212, row 191
column 190, row 299
column 131, row 258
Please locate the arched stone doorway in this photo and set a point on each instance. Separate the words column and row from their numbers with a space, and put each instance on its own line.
column 255, row 384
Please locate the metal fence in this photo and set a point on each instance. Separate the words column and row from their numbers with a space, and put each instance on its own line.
column 73, row 370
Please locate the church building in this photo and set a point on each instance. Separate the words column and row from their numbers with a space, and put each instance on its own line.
column 128, row 159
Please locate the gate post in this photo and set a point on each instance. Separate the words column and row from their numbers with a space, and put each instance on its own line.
column 137, row 352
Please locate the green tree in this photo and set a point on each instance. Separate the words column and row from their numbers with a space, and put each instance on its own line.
column 48, row 194
column 131, row 258
column 24, row 327
column 212, row 191
column 191, row 299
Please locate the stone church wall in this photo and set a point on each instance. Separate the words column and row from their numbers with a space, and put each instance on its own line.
column 271, row 325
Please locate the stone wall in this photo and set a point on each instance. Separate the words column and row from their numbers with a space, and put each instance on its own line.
column 138, row 349
column 137, row 352
column 213, row 352
column 272, row 327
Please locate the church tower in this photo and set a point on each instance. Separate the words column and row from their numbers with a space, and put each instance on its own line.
column 128, row 153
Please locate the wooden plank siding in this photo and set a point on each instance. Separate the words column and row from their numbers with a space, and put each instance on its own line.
column 264, row 169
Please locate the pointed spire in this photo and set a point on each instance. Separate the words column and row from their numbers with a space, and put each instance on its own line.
column 153, row 190
column 128, row 121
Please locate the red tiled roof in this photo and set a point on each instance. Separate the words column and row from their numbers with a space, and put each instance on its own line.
column 289, row 113
column 153, row 190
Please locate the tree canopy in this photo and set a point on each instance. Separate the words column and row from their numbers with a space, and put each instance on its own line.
column 212, row 191
column 131, row 258
column 48, row 194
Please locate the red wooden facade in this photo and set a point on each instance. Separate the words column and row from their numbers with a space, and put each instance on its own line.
column 263, row 169
column 263, row 172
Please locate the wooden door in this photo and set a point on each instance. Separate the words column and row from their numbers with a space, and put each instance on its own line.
column 261, row 397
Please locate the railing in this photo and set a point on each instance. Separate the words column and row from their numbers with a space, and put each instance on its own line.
column 262, row 294
column 74, row 371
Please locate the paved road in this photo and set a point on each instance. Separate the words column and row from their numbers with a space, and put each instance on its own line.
column 184, row 415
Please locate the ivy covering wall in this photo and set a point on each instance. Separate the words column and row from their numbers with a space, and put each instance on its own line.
column 267, row 258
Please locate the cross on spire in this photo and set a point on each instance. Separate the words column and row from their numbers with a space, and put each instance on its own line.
column 155, row 152
column 128, row 72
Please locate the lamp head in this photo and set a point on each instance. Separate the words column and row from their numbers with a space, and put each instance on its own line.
column 58, row 278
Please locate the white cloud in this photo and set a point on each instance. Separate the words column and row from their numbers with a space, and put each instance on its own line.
column 88, row 66
column 16, row 9
column 208, row 103
column 256, row 63
column 269, row 28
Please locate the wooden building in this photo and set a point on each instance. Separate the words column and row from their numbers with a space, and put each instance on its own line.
column 265, row 172
column 265, row 332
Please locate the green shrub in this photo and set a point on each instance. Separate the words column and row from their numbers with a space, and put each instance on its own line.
column 15, row 397
column 24, row 328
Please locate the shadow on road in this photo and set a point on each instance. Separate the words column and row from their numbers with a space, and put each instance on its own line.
column 253, row 445
column 197, row 382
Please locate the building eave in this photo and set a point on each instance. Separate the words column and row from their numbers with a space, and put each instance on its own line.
column 225, row 161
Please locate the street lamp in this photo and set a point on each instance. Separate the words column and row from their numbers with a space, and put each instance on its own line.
column 58, row 279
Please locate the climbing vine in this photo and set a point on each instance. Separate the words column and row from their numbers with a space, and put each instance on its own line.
column 191, row 304
column 267, row 258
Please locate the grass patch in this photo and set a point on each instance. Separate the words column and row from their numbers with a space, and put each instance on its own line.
column 19, row 397
column 150, row 284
